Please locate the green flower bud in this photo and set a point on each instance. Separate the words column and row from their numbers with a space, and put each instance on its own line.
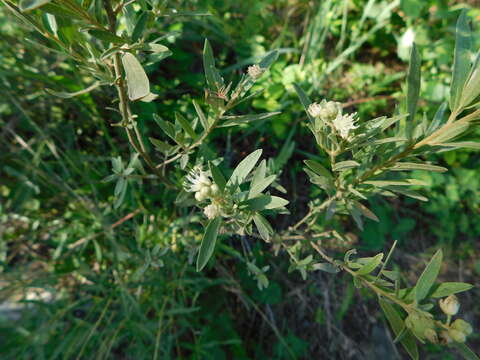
column 463, row 326
column 457, row 336
column 449, row 305
column 422, row 326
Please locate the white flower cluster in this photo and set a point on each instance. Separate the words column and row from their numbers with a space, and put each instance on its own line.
column 199, row 182
column 331, row 112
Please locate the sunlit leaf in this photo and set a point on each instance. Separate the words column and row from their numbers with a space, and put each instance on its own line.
column 243, row 168
column 265, row 202
column 448, row 288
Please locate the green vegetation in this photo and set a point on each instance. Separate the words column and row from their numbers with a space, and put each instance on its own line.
column 166, row 196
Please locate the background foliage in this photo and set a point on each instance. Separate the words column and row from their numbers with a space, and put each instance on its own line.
column 98, row 281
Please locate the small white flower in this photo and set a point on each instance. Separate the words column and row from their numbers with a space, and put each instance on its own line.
column 315, row 109
column 450, row 305
column 196, row 180
column 344, row 123
column 255, row 71
column 211, row 211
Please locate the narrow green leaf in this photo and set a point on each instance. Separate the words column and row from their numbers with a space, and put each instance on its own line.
column 243, row 168
column 268, row 59
column 461, row 60
column 66, row 95
column 259, row 173
column 61, row 11
column 106, row 36
column 217, row 176
column 166, row 126
column 413, row 87
column 448, row 288
column 397, row 325
column 27, row 5
column 208, row 242
column 326, row 267
column 389, row 140
column 371, row 265
column 366, row 211
column 428, row 277
column 137, row 80
column 406, row 166
column 304, row 99
column 265, row 202
column 438, row 119
column 245, row 119
column 185, row 124
column 259, row 186
column 140, row 26
column 161, row 145
column 407, row 192
column 344, row 165
column 406, row 182
column 451, row 132
column 462, row 144
column 110, row 51
column 263, row 226
column 318, row 168
column 201, row 115
column 357, row 215
column 214, row 80
column 471, row 90
column 325, row 182
column 120, row 191
column 156, row 48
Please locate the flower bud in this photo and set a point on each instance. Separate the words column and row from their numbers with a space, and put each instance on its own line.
column 211, row 211
column 420, row 324
column 214, row 189
column 457, row 336
column 199, row 196
column 449, row 305
column 463, row 326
